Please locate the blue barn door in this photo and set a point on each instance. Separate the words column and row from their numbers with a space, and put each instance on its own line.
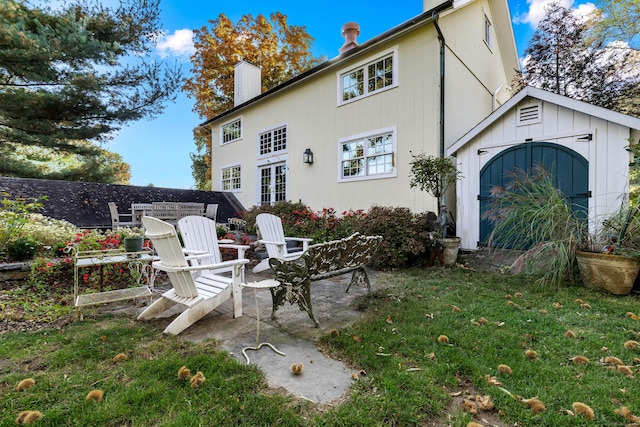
column 570, row 175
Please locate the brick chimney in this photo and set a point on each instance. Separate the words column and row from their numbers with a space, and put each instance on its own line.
column 247, row 82
column 350, row 32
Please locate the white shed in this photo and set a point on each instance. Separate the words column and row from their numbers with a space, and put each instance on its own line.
column 584, row 146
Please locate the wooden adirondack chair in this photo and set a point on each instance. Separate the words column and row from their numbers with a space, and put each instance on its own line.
column 275, row 242
column 199, row 235
column 116, row 218
column 200, row 295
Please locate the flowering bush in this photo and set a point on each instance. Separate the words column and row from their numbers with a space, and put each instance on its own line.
column 46, row 272
column 24, row 233
column 407, row 236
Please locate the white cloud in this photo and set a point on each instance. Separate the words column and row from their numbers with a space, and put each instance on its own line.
column 537, row 11
column 180, row 43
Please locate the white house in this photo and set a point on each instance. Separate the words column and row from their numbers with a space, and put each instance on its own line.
column 418, row 87
column 584, row 147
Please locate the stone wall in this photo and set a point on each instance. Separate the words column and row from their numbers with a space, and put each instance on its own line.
column 85, row 204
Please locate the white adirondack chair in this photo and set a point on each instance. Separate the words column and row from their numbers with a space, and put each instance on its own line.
column 275, row 242
column 199, row 235
column 200, row 295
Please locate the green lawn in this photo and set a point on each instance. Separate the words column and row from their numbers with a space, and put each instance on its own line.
column 406, row 376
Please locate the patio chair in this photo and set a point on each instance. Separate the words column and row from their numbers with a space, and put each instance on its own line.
column 211, row 211
column 275, row 242
column 116, row 218
column 199, row 235
column 199, row 294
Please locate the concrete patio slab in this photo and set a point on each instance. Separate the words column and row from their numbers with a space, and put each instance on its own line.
column 323, row 380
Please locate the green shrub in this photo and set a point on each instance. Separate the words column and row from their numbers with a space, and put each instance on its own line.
column 14, row 215
column 405, row 235
column 47, row 274
column 22, row 248
column 51, row 234
column 290, row 212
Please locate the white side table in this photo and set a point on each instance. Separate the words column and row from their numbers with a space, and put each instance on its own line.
column 263, row 284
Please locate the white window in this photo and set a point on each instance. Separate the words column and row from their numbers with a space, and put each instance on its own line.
column 368, row 78
column 231, row 131
column 368, row 156
column 488, row 31
column 231, row 178
column 272, row 141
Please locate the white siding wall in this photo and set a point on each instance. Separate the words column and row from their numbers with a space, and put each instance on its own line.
column 606, row 154
column 315, row 120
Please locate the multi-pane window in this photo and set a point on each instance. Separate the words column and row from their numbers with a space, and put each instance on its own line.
column 231, row 179
column 367, row 79
column 273, row 141
column 368, row 157
column 231, row 131
column 487, row 31
column 273, row 184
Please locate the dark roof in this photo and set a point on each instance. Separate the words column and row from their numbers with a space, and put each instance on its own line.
column 418, row 20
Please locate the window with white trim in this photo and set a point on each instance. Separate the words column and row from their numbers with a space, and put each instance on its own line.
column 488, row 28
column 369, row 78
column 368, row 156
column 231, row 131
column 272, row 141
column 230, row 178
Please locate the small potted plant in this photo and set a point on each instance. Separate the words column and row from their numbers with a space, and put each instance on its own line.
column 133, row 239
column 436, row 175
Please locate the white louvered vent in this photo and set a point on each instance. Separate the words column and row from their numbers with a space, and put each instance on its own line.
column 529, row 115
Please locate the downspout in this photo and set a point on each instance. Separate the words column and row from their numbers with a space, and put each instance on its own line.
column 443, row 218
column 434, row 18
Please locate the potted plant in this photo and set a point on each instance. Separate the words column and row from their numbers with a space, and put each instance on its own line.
column 561, row 238
column 435, row 175
column 133, row 239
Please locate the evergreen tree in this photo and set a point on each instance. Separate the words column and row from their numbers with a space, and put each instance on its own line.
column 70, row 77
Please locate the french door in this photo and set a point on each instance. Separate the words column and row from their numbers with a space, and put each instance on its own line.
column 273, row 183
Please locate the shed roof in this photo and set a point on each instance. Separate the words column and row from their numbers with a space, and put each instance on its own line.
column 554, row 98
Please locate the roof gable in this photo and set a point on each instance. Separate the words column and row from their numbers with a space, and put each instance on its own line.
column 502, row 25
column 554, row 98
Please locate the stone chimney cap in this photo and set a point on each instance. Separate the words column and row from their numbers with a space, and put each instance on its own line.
column 350, row 32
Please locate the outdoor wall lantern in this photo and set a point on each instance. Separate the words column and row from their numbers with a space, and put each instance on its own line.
column 307, row 156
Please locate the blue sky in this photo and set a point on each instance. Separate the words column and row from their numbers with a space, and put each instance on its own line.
column 158, row 150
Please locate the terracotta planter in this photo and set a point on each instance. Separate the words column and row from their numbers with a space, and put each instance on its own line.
column 451, row 248
column 613, row 273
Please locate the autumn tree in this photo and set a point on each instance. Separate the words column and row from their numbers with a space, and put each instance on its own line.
column 618, row 20
column 281, row 50
column 72, row 76
column 562, row 57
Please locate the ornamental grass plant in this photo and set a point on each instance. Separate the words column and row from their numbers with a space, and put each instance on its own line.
column 532, row 215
